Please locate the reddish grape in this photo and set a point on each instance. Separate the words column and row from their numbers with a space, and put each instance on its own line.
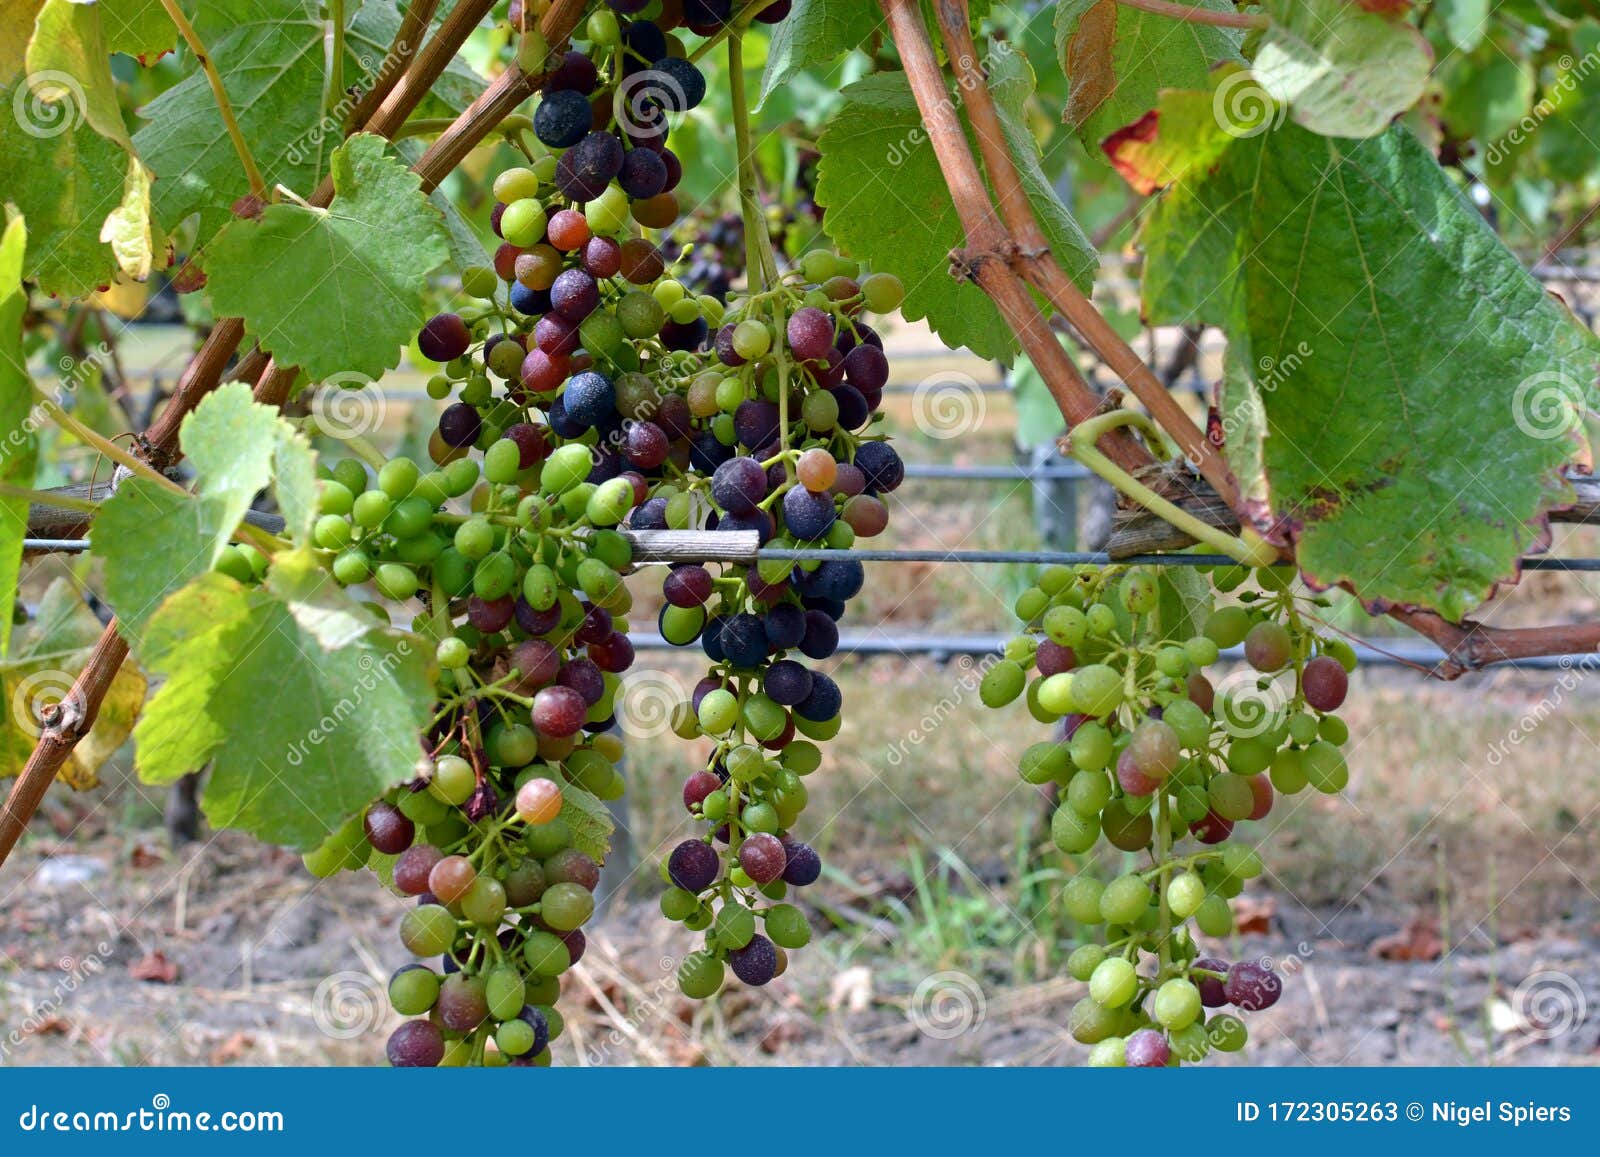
column 388, row 830
column 762, row 857
column 412, row 868
column 1325, row 683
column 559, row 711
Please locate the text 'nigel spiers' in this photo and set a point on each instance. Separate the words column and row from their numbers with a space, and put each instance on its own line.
column 1506, row 1112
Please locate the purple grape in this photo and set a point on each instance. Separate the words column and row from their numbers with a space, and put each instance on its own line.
column 821, row 638
column 755, row 422
column 785, row 625
column 803, row 866
column 490, row 615
column 387, row 828
column 416, row 1044
column 583, row 676
column 762, row 857
column 1212, row 993
column 853, row 408
column 787, row 682
column 576, row 72
column 444, row 337
column 810, row 333
column 574, row 295
column 756, row 963
column 1147, row 1049
column 460, row 425
column 739, row 485
column 687, row 585
column 808, row 516
column 824, row 700
column 643, row 174
column 1252, row 986
column 880, row 465
column 589, row 397
column 693, row 866
column 866, row 368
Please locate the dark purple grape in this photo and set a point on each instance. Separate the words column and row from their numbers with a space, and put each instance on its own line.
column 602, row 257
column 538, row 1022
column 589, row 397
column 643, row 174
column 1325, row 683
column 787, row 682
column 785, row 625
column 706, row 453
column 840, row 579
column 416, row 1044
column 1252, row 986
column 821, row 638
column 651, row 514
column 613, row 654
column 559, row 712
column 762, row 857
column 688, row 335
column 537, row 662
column 808, row 516
column 644, row 41
column 574, row 295
column 802, row 864
column 680, row 86
column 576, row 72
column 536, row 622
column 693, row 866
column 598, row 157
column 757, row 520
column 773, row 13
column 570, row 866
column 755, row 422
column 881, row 466
column 460, row 425
column 756, row 963
column 444, row 337
column 824, row 701
column 412, row 868
column 1212, row 992
column 583, row 676
column 647, row 445
column 387, row 828
column 743, row 640
column 529, row 302
column 711, row 641
column 1052, row 658
column 866, row 368
column 576, row 183
column 490, row 615
column 687, row 585
column 674, row 169
column 532, row 445
column 723, row 346
column 707, row 17
column 739, row 485
column 563, row 118
column 853, row 408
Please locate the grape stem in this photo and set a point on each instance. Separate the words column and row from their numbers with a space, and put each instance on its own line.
column 258, row 187
column 1082, row 447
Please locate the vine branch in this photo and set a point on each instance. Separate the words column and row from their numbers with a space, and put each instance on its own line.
column 258, row 187
column 1192, row 14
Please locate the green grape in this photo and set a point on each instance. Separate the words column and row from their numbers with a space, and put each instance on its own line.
column 1139, row 593
column 395, row 581
column 1091, row 747
column 1226, row 1032
column 677, row 905
column 1097, row 690
column 485, row 902
column 1114, row 982
column 493, row 577
column 1002, row 683
column 546, row 953
column 1189, row 722
column 565, row 906
column 760, row 817
column 1176, row 1004
column 523, row 223
column 474, row 538
column 734, row 925
column 1231, row 797
column 505, row 992
column 331, row 532
column 1201, row 650
column 409, row 518
column 515, row 1037
column 882, row 292
column 428, row 931
column 1110, row 1053
column 1214, row 917
column 1054, row 694
column 502, row 462
column 1088, row 792
column 370, row 508
column 1031, row 603
column 1190, row 1043
column 1102, row 620
column 700, row 975
column 1124, row 900
column 545, row 840
column 1334, row 730
column 1081, row 899
column 413, row 990
column 1250, row 755
column 1288, row 773
column 351, row 474
column 453, row 779
column 1073, row 832
column 1303, row 727
column 398, row 478
column 1227, row 626
column 1325, row 768
column 334, row 497
column 566, row 468
column 719, row 711
column 1241, row 861
column 479, row 281
column 1043, row 762
column 1124, row 829
column 1091, row 1022
column 1067, row 626
column 1185, row 893
column 1084, row 960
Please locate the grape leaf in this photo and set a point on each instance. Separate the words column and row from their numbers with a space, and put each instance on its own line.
column 336, row 290
column 1466, row 21
column 589, row 820
column 70, row 163
column 287, row 768
column 1402, row 394
column 1118, row 60
column 20, row 448
column 48, row 655
column 1343, row 71
column 16, row 29
column 138, row 27
column 888, row 203
column 814, row 35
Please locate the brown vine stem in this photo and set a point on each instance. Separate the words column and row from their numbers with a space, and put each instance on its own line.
column 258, row 187
column 987, row 237
column 1191, row 14
column 73, row 717
column 1470, row 645
column 413, row 30
column 1029, row 252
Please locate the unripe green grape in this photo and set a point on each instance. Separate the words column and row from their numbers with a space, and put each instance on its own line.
column 479, row 280
column 566, row 468
column 1214, row 917
column 1043, row 762
column 1097, row 690
column 565, row 907
column 395, row 581
column 1113, row 983
column 413, row 990
column 1227, row 626
column 607, row 213
column 332, row 532
column 409, row 518
column 439, row 387
column 1088, row 792
column 350, row 474
column 1190, row 1043
column 1250, row 755
column 1176, row 1004
column 700, row 975
column 751, row 339
column 1081, row 899
column 1067, row 626
column 474, row 538
column 514, row 1037
column 505, row 991
column 602, row 29
column 678, row 905
column 1110, row 1053
column 1231, row 797
column 333, row 497
column 1002, row 683
column 1102, row 620
column 1091, row 1022
column 461, row 476
column 610, row 502
column 433, row 487
column 502, row 462
column 545, row 840
column 493, row 577
column 345, row 850
column 680, row 626
column 787, row 926
column 1226, row 1032
column 820, row 411
column 453, row 653
column 546, row 953
column 1030, row 604
column 1303, row 727
column 1055, row 694
column 1191, row 725
column 1072, row 831
column 1342, row 651
column 882, row 292
column 1084, row 960
column 1091, row 746
column 715, row 806
column 1335, row 730
column 734, row 925
column 760, row 817
column 1202, row 651
column 1125, row 829
column 1241, row 861
column 719, row 711
column 1021, row 649
column 370, row 508
column 1124, row 900
column 1325, row 768
column 351, row 567
column 429, row 930
column 1139, row 593
column 523, row 223
column 398, row 477
column 1288, row 773
column 1185, row 893
column 1173, row 662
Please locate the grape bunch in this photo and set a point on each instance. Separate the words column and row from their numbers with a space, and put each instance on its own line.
column 1152, row 754
column 780, row 410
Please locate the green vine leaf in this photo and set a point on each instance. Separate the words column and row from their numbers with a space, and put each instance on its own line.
column 20, row 449
column 588, row 819
column 139, row 28
column 1412, row 453
column 49, row 653
column 1119, row 59
column 888, row 204
column 288, row 769
column 814, row 35
column 72, row 169
column 336, row 290
column 1343, row 71
column 153, row 541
